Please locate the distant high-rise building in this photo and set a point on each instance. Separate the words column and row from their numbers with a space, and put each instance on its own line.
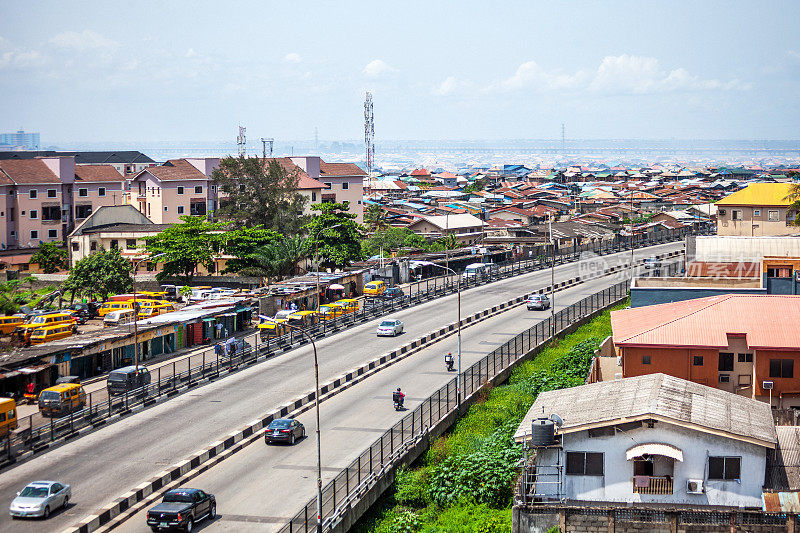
column 20, row 140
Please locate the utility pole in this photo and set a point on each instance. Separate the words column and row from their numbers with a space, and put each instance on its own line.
column 552, row 278
column 241, row 141
column 369, row 134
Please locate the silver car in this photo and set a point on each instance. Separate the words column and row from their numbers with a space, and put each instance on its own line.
column 40, row 498
column 390, row 328
column 537, row 301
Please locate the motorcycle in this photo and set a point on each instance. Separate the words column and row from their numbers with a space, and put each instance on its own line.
column 448, row 360
column 398, row 401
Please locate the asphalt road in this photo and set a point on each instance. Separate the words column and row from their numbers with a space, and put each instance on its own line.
column 261, row 487
column 104, row 464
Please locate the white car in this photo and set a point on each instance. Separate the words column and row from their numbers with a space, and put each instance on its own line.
column 40, row 498
column 390, row 328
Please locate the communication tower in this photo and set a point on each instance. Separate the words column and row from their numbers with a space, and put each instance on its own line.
column 369, row 132
column 241, row 141
column 264, row 143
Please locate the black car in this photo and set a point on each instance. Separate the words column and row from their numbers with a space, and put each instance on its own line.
column 89, row 307
column 127, row 379
column 393, row 292
column 81, row 316
column 181, row 508
column 284, row 430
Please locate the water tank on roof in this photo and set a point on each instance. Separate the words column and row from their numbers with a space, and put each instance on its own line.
column 542, row 432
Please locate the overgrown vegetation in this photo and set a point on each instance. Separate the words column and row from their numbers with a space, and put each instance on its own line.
column 464, row 483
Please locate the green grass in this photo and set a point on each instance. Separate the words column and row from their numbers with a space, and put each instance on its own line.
column 464, row 481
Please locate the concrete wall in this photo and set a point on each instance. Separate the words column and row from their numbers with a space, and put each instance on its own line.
column 727, row 248
column 754, row 221
column 616, row 484
column 642, row 296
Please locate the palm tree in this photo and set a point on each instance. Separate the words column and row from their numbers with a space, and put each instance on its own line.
column 794, row 207
column 375, row 217
column 279, row 258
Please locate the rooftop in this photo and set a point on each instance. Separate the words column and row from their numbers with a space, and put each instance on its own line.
column 655, row 396
column 759, row 194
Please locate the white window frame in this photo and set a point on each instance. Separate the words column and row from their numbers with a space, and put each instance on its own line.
column 83, row 193
column 50, row 232
column 54, row 191
column 180, row 189
column 345, row 186
column 166, row 208
column 36, row 231
column 736, row 214
column 776, row 213
column 198, row 187
column 33, row 194
column 756, row 212
column 33, row 214
column 180, row 209
column 101, row 191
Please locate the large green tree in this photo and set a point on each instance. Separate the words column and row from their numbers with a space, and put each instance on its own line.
column 185, row 246
column 392, row 239
column 50, row 258
column 279, row 258
column 101, row 273
column 260, row 194
column 245, row 245
column 334, row 237
column 375, row 217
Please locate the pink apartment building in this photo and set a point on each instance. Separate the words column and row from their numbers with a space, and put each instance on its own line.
column 344, row 181
column 38, row 198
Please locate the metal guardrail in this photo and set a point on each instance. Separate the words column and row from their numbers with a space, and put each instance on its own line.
column 36, row 432
column 353, row 482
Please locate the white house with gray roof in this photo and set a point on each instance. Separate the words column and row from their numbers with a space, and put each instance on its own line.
column 653, row 439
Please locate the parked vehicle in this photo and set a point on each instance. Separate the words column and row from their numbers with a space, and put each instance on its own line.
column 283, row 314
column 39, row 499
column 349, row 305
column 8, row 416
column 154, row 308
column 284, row 430
column 62, row 399
column 127, row 379
column 51, row 333
column 181, row 509
column 37, row 321
column 272, row 329
column 479, row 270
column 112, row 306
column 374, row 288
column 119, row 317
column 67, row 379
column 303, row 319
column 10, row 323
column 390, row 328
column 90, row 308
column 329, row 312
column 537, row 302
column 81, row 316
column 393, row 292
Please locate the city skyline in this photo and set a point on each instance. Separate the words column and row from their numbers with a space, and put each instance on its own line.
column 617, row 70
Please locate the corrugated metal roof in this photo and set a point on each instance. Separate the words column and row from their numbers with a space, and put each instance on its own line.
column 759, row 194
column 656, row 396
column 783, row 464
column 706, row 322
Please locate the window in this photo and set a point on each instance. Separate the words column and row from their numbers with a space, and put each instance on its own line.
column 736, row 214
column 724, row 378
column 166, row 208
column 34, row 234
column 33, row 193
column 180, row 209
column 697, row 360
column 180, row 190
column 779, row 272
column 93, row 246
column 781, row 368
column 345, row 186
column 313, row 197
column 328, row 185
column 101, row 191
column 756, row 212
column 51, row 213
column 242, row 188
column 645, row 359
column 83, row 192
column 724, row 468
column 52, row 234
column 52, row 193
column 773, row 216
column 198, row 189
column 33, row 213
column 584, row 464
column 725, row 362
column 75, row 247
column 13, row 234
column 197, row 209
column 745, row 358
column 213, row 188
column 114, row 244
column 130, row 244
column 83, row 211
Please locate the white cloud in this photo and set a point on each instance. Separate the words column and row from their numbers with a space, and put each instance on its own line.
column 85, row 40
column 20, row 59
column 190, row 53
column 624, row 74
column 448, row 86
column 292, row 57
column 377, row 68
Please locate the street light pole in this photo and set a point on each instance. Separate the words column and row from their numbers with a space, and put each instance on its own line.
column 552, row 278
column 316, row 409
column 136, row 313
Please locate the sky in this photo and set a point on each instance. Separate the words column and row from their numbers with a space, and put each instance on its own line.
column 85, row 71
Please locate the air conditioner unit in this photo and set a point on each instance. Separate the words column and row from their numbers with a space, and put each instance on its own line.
column 694, row 486
column 767, row 385
column 722, row 212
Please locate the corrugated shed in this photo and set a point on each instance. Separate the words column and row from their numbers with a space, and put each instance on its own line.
column 655, row 396
column 706, row 322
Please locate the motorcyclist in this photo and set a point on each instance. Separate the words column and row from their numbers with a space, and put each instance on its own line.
column 448, row 360
column 398, row 397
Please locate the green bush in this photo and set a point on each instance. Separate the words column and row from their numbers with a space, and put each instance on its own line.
column 406, row 522
column 470, row 519
column 411, row 487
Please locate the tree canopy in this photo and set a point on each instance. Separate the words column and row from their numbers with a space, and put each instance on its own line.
column 392, row 239
column 50, row 258
column 185, row 246
column 103, row 272
column 245, row 245
column 260, row 195
column 278, row 258
column 334, row 237
column 375, row 217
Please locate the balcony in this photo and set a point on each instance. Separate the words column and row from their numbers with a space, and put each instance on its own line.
column 655, row 485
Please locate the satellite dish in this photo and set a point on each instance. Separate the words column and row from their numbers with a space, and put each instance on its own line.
column 556, row 420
